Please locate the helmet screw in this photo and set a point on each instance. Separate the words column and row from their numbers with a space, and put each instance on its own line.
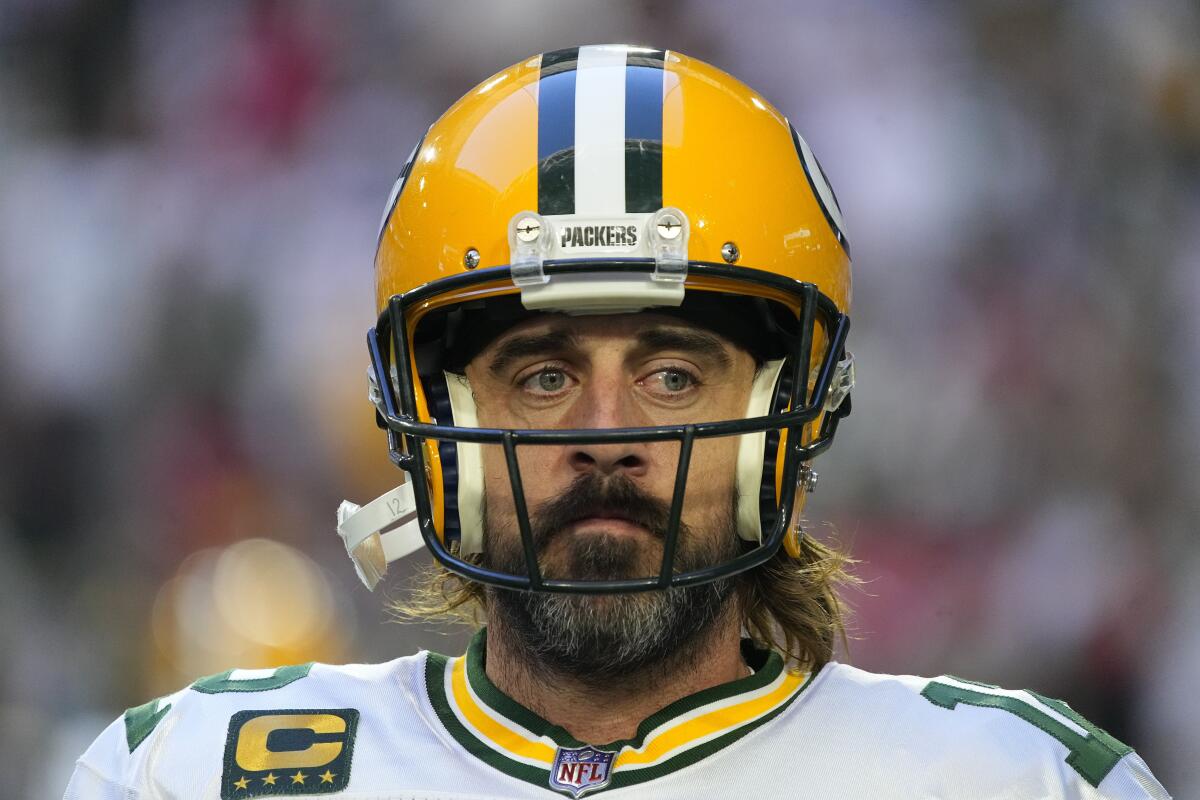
column 471, row 258
column 730, row 252
column 669, row 226
column 528, row 229
column 807, row 478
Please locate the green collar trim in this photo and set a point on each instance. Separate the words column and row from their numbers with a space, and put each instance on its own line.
column 435, row 676
column 767, row 665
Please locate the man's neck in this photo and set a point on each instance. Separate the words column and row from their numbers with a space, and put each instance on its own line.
column 601, row 716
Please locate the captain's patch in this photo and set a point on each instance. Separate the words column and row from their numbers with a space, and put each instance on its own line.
column 281, row 752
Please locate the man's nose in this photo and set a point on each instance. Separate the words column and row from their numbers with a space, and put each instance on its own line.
column 606, row 404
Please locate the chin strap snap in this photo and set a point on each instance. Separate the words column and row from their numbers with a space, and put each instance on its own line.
column 380, row 532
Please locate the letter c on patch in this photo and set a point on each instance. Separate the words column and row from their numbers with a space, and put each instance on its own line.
column 323, row 737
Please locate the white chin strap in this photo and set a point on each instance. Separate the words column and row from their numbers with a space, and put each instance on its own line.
column 382, row 531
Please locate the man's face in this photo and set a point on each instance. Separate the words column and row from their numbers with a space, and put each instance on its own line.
column 600, row 511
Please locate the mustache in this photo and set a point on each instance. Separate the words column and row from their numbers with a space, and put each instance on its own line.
column 592, row 496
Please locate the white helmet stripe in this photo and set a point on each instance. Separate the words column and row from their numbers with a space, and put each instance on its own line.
column 600, row 130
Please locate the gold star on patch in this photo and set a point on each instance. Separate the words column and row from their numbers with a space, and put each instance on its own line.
column 270, row 779
column 327, row 777
column 298, row 777
column 241, row 782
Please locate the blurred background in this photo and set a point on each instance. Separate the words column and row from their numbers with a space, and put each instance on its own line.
column 189, row 198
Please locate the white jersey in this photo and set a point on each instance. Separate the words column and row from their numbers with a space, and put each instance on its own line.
column 428, row 726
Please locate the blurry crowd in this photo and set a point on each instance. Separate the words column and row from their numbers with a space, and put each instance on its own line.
column 189, row 199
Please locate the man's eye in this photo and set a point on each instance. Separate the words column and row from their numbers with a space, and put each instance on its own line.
column 675, row 381
column 671, row 381
column 548, row 381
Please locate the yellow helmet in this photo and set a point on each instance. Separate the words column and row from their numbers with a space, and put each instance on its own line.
column 600, row 180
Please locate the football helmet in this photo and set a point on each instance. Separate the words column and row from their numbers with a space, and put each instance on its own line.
column 603, row 180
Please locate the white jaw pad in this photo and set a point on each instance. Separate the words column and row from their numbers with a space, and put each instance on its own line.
column 382, row 531
column 470, row 466
column 751, row 450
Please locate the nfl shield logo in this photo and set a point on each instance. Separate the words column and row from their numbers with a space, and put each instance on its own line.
column 581, row 770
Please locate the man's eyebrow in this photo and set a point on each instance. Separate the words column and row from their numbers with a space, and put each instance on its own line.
column 687, row 340
column 532, row 344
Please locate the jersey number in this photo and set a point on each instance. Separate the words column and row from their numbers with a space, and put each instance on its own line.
column 1093, row 754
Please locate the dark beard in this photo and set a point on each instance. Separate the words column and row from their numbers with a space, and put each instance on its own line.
column 595, row 639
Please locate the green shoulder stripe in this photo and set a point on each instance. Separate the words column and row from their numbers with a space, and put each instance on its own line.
column 224, row 682
column 1092, row 754
column 141, row 721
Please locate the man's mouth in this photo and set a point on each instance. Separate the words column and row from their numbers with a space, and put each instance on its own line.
column 612, row 524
